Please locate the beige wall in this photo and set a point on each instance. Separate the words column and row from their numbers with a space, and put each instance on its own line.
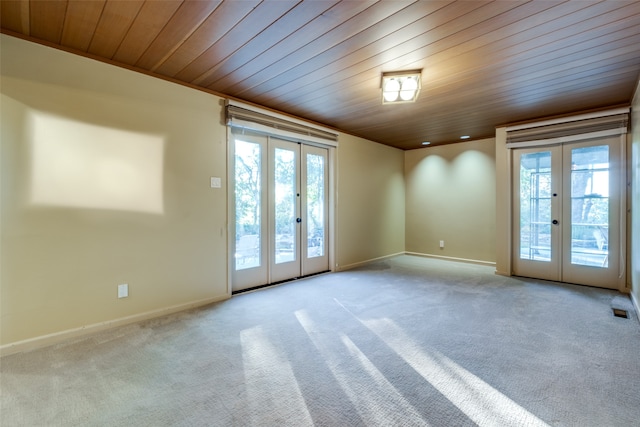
column 370, row 205
column 66, row 248
column 635, row 198
column 143, row 212
column 450, row 196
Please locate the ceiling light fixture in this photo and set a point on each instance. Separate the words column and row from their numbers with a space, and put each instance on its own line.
column 465, row 137
column 426, row 143
column 400, row 87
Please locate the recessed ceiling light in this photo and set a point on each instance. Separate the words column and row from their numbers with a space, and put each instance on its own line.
column 465, row 137
column 426, row 143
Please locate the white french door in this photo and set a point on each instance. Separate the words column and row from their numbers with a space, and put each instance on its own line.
column 567, row 207
column 280, row 210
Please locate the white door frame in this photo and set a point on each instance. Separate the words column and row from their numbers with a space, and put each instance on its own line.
column 332, row 159
column 559, row 267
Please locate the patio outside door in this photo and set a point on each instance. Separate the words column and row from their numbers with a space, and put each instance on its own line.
column 280, row 209
column 567, row 213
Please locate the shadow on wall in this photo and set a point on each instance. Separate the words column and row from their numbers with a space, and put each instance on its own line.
column 81, row 165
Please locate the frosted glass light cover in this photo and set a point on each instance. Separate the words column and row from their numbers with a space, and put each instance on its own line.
column 391, row 89
column 401, row 87
column 409, row 87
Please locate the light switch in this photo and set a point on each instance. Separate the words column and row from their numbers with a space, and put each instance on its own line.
column 123, row 290
column 216, row 182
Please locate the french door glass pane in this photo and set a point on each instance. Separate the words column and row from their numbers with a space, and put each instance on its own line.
column 590, row 206
column 248, row 191
column 315, row 206
column 535, row 206
column 285, row 204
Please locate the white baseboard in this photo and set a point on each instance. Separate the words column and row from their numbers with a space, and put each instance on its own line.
column 361, row 263
column 449, row 258
column 446, row 258
column 58, row 337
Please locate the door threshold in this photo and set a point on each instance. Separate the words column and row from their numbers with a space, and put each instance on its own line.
column 269, row 285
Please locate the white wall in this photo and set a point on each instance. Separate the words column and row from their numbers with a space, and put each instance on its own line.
column 105, row 180
column 451, row 196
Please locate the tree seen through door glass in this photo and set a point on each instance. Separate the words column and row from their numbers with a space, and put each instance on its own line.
column 315, row 206
column 285, row 204
column 247, row 196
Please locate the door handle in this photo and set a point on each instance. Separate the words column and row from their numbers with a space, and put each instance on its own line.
column 554, row 222
column 298, row 219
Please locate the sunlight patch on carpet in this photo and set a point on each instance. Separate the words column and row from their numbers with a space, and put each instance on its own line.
column 375, row 399
column 270, row 382
column 482, row 403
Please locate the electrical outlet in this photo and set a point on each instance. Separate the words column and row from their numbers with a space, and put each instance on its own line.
column 441, row 244
column 123, row 290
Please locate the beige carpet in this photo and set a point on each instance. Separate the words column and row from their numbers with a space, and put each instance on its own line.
column 403, row 342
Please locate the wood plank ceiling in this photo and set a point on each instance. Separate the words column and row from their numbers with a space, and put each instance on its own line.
column 484, row 63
